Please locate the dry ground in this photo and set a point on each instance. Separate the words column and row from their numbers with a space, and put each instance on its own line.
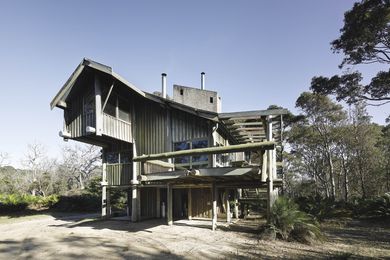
column 67, row 237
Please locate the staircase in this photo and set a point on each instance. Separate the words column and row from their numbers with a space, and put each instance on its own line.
column 249, row 195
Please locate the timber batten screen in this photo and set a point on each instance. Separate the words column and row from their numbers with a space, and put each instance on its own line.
column 119, row 174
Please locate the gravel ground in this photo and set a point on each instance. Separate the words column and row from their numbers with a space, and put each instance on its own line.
column 49, row 237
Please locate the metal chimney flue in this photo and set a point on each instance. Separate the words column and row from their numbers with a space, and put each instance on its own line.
column 202, row 80
column 164, row 85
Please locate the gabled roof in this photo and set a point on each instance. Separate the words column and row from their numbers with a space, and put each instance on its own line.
column 65, row 90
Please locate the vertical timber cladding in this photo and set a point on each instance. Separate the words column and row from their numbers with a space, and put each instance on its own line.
column 148, row 203
column 117, row 157
column 150, row 127
column 81, row 111
column 201, row 202
column 186, row 126
column 151, row 130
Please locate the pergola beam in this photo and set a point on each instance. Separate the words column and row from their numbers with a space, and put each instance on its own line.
column 208, row 150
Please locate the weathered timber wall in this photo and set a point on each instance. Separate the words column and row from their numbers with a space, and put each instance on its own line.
column 201, row 202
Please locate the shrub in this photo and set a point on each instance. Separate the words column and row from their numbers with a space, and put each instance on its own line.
column 12, row 203
column 318, row 207
column 17, row 202
column 383, row 206
column 290, row 223
column 372, row 208
column 81, row 203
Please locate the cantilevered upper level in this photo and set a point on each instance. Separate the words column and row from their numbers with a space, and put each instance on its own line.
column 100, row 105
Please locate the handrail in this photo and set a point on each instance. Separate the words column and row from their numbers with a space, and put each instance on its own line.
column 209, row 150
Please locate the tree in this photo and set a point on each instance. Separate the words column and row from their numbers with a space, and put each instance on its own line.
column 365, row 155
column 40, row 169
column 364, row 39
column 80, row 163
column 314, row 137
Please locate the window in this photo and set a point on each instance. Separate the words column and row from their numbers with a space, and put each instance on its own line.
column 118, row 108
column 112, row 157
column 191, row 162
column 181, row 92
column 196, row 145
column 123, row 110
column 118, row 157
column 110, row 108
column 180, row 146
column 211, row 100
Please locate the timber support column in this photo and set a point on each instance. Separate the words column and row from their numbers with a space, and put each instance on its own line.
column 214, row 194
column 105, row 202
column 158, row 206
column 134, row 202
column 189, row 204
column 270, row 171
column 236, row 204
column 134, row 190
column 169, row 205
column 105, row 193
column 228, row 215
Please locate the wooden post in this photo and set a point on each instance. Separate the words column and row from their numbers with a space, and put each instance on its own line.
column 236, row 204
column 214, row 195
column 128, row 209
column 134, row 203
column 134, row 189
column 169, row 204
column 138, row 203
column 274, row 173
column 104, row 202
column 264, row 167
column 189, row 204
column 228, row 216
column 158, row 206
column 269, row 171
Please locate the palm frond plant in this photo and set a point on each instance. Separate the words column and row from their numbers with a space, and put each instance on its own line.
column 290, row 223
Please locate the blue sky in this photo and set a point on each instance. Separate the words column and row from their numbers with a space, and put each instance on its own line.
column 254, row 53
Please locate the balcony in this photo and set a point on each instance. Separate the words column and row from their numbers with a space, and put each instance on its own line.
column 116, row 128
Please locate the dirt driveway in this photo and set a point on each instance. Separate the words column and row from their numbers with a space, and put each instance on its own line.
column 51, row 237
column 69, row 238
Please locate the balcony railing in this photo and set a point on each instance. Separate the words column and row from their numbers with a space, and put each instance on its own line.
column 116, row 128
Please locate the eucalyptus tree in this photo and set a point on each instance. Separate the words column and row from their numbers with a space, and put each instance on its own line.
column 314, row 137
column 364, row 39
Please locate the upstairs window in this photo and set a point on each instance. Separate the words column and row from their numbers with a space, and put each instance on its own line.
column 110, row 108
column 211, row 100
column 123, row 110
column 118, row 157
column 118, row 107
column 191, row 162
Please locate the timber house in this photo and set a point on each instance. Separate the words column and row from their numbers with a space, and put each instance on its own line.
column 176, row 157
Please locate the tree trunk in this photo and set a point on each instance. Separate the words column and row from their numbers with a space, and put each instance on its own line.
column 82, row 187
column 346, row 181
column 331, row 175
column 362, row 184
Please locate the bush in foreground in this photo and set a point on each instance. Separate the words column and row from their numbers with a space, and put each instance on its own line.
column 17, row 202
column 372, row 208
column 80, row 203
column 289, row 223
